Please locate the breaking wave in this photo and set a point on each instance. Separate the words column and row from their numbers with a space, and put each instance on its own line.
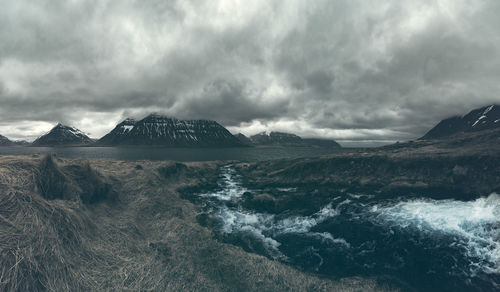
column 475, row 225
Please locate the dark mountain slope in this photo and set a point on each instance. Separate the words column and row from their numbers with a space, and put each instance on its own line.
column 485, row 118
column 165, row 131
column 244, row 139
column 62, row 135
column 118, row 134
column 317, row 142
column 4, row 141
column 276, row 138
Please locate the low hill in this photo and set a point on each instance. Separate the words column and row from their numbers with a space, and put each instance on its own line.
column 286, row 140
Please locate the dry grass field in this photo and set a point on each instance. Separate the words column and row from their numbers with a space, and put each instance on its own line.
column 77, row 225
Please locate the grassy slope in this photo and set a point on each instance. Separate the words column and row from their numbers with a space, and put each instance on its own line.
column 139, row 236
column 463, row 168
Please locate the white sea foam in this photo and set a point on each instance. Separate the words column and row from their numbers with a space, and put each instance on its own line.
column 287, row 189
column 261, row 226
column 235, row 221
column 265, row 227
column 328, row 237
column 231, row 189
column 476, row 224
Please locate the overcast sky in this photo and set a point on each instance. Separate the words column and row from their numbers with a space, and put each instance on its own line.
column 348, row 70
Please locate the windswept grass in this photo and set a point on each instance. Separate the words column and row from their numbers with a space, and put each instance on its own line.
column 74, row 225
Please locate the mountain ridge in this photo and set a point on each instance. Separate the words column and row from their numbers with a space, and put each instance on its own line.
column 63, row 135
column 275, row 138
column 160, row 130
column 4, row 141
column 484, row 118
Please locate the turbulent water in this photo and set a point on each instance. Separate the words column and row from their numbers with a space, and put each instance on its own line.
column 429, row 244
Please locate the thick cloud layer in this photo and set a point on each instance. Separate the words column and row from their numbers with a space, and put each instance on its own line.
column 349, row 70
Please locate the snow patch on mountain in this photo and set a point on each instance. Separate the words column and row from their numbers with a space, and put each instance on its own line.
column 161, row 130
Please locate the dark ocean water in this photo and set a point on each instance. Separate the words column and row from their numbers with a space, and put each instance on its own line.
column 177, row 154
column 431, row 245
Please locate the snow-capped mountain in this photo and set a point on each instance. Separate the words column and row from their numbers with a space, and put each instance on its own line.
column 484, row 118
column 62, row 135
column 118, row 134
column 287, row 139
column 165, row 131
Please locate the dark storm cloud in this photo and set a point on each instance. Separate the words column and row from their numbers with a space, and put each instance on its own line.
column 355, row 70
column 238, row 98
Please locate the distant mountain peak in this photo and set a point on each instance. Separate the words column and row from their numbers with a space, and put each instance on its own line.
column 161, row 130
column 61, row 135
column 129, row 121
column 4, row 141
column 484, row 118
column 243, row 139
column 156, row 115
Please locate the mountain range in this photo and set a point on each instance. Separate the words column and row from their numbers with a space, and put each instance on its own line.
column 4, row 141
column 171, row 132
column 159, row 130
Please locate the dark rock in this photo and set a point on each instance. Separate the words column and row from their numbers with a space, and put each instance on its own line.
column 206, row 220
column 261, row 203
column 247, row 196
